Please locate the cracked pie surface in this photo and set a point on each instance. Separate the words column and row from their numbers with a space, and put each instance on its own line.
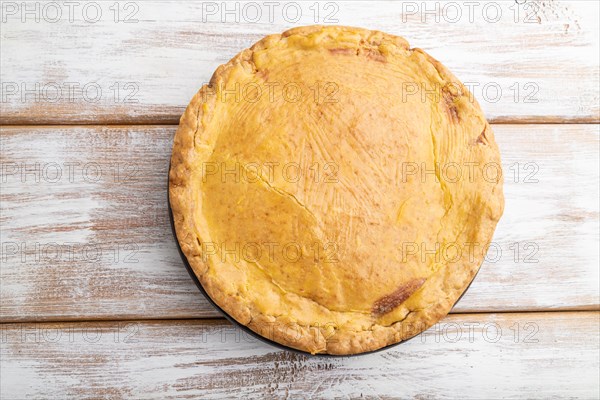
column 334, row 190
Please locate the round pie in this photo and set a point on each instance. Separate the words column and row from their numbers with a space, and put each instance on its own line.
column 335, row 190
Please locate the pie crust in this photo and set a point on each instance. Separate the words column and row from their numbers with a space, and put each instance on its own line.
column 335, row 190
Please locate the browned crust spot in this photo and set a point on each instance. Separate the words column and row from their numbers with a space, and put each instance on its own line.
column 450, row 103
column 342, row 51
column 371, row 54
column 482, row 139
column 387, row 303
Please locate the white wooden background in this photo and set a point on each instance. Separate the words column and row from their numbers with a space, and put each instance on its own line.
column 94, row 299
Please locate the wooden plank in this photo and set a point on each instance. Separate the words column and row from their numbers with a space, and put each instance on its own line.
column 529, row 62
column 549, row 230
column 509, row 356
column 95, row 242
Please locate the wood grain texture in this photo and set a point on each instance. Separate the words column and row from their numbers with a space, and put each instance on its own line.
column 84, row 230
column 476, row 356
column 91, row 238
column 532, row 62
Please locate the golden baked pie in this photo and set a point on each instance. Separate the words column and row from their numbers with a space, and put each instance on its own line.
column 334, row 190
